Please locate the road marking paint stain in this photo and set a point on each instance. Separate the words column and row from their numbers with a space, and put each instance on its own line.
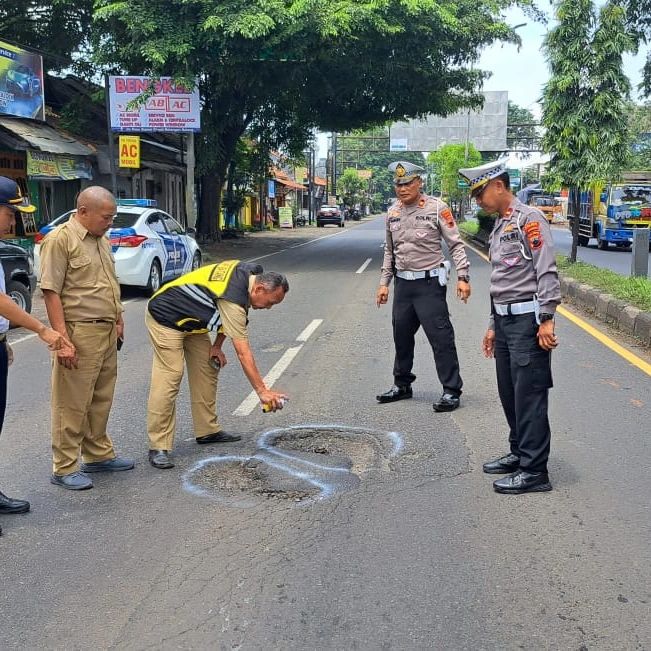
column 361, row 269
column 327, row 479
column 601, row 337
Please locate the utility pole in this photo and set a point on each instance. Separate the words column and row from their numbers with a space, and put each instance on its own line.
column 190, row 202
column 111, row 145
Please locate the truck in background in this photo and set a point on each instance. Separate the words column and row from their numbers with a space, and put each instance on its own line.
column 610, row 213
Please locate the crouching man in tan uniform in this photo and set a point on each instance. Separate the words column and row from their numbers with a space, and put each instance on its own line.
column 215, row 298
column 82, row 297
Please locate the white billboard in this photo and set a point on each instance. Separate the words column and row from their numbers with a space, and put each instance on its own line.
column 484, row 128
column 172, row 107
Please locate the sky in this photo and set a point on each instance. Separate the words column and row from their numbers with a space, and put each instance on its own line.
column 524, row 72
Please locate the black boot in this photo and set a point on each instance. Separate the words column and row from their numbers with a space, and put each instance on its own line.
column 447, row 402
column 395, row 393
column 8, row 505
column 523, row 482
column 508, row 463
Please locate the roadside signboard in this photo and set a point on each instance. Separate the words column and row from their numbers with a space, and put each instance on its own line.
column 398, row 144
column 129, row 147
column 285, row 217
column 171, row 108
column 45, row 165
column 271, row 189
column 515, row 178
column 21, row 83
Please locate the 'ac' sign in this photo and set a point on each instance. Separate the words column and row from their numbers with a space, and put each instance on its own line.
column 129, row 151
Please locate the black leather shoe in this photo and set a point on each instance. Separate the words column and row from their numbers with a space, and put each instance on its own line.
column 523, row 482
column 219, row 437
column 7, row 505
column 447, row 402
column 160, row 459
column 507, row 463
column 395, row 393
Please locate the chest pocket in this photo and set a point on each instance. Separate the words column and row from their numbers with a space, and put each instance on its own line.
column 81, row 272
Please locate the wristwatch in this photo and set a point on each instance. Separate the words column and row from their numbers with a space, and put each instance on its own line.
column 545, row 316
column 465, row 279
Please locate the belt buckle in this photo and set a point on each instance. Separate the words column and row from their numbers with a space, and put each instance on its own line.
column 410, row 275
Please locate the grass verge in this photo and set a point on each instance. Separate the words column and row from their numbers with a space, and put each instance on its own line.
column 636, row 291
column 468, row 227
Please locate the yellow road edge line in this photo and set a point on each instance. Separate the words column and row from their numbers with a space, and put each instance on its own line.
column 601, row 337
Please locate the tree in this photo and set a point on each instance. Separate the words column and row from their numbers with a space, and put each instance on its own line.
column 292, row 64
column 520, row 127
column 57, row 29
column 638, row 16
column 351, row 187
column 446, row 163
column 584, row 102
column 640, row 126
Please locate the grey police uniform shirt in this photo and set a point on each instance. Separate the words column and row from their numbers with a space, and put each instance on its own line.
column 413, row 236
column 523, row 262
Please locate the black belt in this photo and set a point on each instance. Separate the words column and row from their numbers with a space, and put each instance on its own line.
column 95, row 321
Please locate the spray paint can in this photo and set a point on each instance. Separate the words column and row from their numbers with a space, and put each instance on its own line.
column 266, row 407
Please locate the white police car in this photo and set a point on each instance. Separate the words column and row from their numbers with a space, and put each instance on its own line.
column 149, row 246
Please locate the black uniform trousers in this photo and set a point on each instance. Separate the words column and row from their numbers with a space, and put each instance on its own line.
column 524, row 378
column 419, row 303
column 4, row 370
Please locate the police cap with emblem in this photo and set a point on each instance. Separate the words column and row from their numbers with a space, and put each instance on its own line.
column 478, row 177
column 404, row 172
column 11, row 196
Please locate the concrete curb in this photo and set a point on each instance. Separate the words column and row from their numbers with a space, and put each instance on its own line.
column 613, row 311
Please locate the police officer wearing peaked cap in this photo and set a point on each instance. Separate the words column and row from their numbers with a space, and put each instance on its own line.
column 416, row 225
column 525, row 292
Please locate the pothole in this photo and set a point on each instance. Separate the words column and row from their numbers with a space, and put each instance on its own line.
column 299, row 464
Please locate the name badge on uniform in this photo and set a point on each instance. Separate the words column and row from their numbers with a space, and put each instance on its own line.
column 394, row 223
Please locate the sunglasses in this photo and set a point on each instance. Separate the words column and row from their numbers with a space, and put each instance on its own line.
column 477, row 195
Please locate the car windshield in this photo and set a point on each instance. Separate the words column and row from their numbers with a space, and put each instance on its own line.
column 125, row 220
column 631, row 194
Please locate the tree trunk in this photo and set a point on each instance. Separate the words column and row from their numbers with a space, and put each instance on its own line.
column 211, row 191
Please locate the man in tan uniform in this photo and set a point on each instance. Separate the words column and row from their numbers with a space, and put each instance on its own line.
column 82, row 297
column 416, row 227
column 214, row 298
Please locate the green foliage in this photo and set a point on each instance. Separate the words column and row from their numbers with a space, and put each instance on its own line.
column 286, row 66
column 636, row 291
column 518, row 135
column 638, row 18
column 640, row 128
column 486, row 221
column 57, row 29
column 446, row 163
column 584, row 102
column 351, row 188
column 469, row 227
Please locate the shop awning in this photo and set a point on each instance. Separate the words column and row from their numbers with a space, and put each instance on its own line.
column 30, row 134
column 292, row 185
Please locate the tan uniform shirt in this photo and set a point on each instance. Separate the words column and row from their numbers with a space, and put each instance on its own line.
column 414, row 234
column 234, row 318
column 523, row 262
column 79, row 267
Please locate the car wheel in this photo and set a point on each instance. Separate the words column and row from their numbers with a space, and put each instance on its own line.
column 20, row 295
column 583, row 240
column 196, row 261
column 155, row 278
column 602, row 245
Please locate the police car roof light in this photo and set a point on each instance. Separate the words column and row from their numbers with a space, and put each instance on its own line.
column 142, row 203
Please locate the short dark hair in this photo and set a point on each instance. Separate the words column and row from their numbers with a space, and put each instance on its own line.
column 506, row 180
column 272, row 280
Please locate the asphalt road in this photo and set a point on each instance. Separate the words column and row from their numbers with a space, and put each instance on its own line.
column 349, row 525
column 614, row 258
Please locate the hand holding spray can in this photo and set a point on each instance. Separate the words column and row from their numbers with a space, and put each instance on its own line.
column 267, row 408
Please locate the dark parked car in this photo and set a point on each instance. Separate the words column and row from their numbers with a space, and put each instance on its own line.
column 329, row 215
column 20, row 279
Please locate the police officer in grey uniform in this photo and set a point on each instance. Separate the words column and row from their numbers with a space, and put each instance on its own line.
column 416, row 225
column 525, row 291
